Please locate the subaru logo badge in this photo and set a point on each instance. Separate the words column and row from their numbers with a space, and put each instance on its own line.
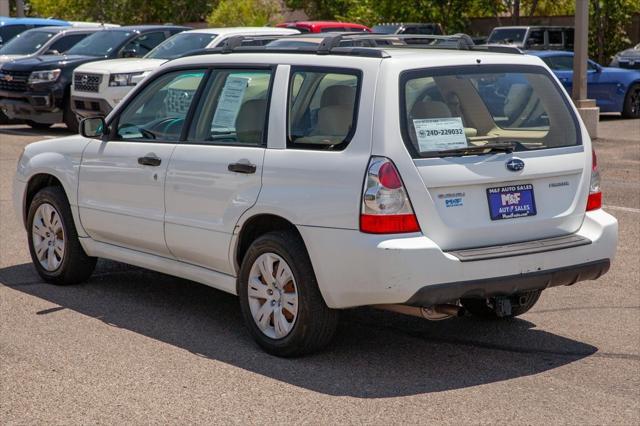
column 515, row 165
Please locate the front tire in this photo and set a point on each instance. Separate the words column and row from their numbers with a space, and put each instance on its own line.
column 69, row 117
column 279, row 297
column 53, row 240
column 631, row 107
column 38, row 126
column 520, row 303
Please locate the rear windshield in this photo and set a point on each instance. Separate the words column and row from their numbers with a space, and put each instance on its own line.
column 101, row 43
column 507, row 36
column 462, row 107
column 180, row 44
column 26, row 43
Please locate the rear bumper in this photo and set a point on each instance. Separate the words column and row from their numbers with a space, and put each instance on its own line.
column 356, row 269
column 505, row 286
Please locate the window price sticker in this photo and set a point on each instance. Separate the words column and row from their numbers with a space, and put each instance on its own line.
column 229, row 104
column 437, row 134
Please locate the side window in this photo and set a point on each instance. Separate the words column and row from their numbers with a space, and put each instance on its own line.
column 536, row 38
column 591, row 66
column 555, row 37
column 568, row 38
column 158, row 112
column 322, row 108
column 296, row 83
column 233, row 109
column 144, row 43
column 561, row 63
column 10, row 31
column 66, row 42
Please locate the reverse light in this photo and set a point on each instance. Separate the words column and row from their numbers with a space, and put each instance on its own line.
column 594, row 201
column 386, row 208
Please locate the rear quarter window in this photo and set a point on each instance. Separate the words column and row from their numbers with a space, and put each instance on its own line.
column 322, row 108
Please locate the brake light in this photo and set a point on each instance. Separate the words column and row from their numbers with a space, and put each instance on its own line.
column 386, row 208
column 594, row 201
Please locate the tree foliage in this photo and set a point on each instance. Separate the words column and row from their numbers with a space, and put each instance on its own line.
column 124, row 11
column 607, row 21
column 608, row 18
column 252, row 13
column 452, row 14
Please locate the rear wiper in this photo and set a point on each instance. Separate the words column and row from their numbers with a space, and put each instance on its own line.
column 507, row 147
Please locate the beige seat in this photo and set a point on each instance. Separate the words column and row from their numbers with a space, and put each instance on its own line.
column 339, row 94
column 517, row 98
column 250, row 121
column 429, row 109
column 335, row 115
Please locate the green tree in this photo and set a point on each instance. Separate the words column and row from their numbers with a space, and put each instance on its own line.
column 510, row 11
column 607, row 32
column 452, row 14
column 124, row 11
column 253, row 13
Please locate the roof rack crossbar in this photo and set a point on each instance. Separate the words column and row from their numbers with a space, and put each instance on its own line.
column 331, row 44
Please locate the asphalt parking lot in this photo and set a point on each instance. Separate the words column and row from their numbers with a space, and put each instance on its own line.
column 134, row 346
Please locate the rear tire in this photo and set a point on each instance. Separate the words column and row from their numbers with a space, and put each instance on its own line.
column 69, row 117
column 53, row 240
column 631, row 108
column 520, row 303
column 284, row 312
column 39, row 126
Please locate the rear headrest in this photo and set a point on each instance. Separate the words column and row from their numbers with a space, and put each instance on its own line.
column 517, row 98
column 340, row 94
column 250, row 121
column 430, row 109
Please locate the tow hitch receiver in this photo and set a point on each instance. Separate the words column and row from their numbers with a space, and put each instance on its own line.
column 502, row 306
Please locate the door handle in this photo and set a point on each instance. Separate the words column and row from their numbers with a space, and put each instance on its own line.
column 149, row 161
column 242, row 166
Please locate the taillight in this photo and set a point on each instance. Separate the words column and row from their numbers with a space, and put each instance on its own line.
column 386, row 208
column 594, row 201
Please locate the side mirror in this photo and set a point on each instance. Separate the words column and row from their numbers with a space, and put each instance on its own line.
column 52, row 52
column 129, row 53
column 92, row 127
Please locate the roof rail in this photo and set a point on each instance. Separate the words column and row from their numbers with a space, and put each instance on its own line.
column 338, row 44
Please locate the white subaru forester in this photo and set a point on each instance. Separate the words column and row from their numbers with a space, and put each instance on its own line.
column 308, row 180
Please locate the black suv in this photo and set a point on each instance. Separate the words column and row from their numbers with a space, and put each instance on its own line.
column 534, row 37
column 38, row 89
column 409, row 28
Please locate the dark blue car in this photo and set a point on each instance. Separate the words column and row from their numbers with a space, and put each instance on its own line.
column 11, row 27
column 614, row 89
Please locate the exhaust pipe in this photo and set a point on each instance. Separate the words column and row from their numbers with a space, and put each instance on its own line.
column 432, row 313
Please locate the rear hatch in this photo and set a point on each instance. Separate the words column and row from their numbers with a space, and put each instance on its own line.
column 499, row 152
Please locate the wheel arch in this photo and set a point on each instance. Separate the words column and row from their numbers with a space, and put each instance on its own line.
column 36, row 183
column 254, row 227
